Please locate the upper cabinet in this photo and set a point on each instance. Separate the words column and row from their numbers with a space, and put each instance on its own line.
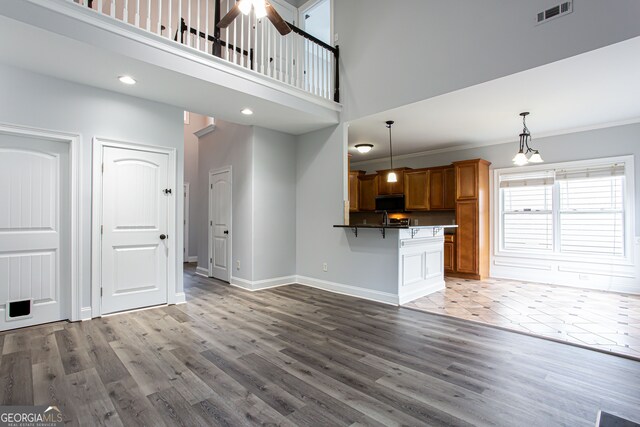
column 386, row 188
column 354, row 190
column 416, row 190
column 368, row 190
column 442, row 188
column 467, row 179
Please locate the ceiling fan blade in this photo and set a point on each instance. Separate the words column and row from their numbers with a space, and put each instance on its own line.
column 229, row 17
column 277, row 21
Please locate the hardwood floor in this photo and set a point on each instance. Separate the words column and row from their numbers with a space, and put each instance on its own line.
column 300, row 356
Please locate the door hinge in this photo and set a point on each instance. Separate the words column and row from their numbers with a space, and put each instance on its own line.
column 211, row 223
column 100, row 292
column 102, row 229
column 212, row 186
column 167, row 191
column 210, row 260
column 103, row 168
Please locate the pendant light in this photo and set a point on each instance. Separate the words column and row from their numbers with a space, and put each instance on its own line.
column 391, row 176
column 520, row 158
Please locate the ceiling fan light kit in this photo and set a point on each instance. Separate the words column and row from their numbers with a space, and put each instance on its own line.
column 521, row 158
column 261, row 8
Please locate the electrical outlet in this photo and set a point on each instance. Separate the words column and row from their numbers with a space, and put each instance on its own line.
column 238, row 265
column 336, row 38
column 325, row 267
column 416, row 222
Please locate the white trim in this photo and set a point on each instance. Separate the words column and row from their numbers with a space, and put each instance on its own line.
column 185, row 238
column 202, row 272
column 544, row 267
column 360, row 163
column 258, row 285
column 213, row 172
column 75, row 241
column 181, row 298
column 205, row 130
column 85, row 313
column 352, row 291
column 161, row 43
column 96, row 251
column 193, row 258
column 421, row 292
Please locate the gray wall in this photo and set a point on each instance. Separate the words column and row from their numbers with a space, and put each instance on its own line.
column 607, row 142
column 196, row 122
column 34, row 100
column 274, row 208
column 448, row 45
column 361, row 262
column 229, row 145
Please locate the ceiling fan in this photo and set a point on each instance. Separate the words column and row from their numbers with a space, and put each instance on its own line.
column 261, row 8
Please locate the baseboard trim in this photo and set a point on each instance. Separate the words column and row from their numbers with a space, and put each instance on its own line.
column 86, row 313
column 181, row 298
column 192, row 259
column 202, row 272
column 352, row 291
column 408, row 297
column 258, row 285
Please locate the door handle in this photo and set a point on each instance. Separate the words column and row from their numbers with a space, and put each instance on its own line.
column 226, row 231
column 163, row 236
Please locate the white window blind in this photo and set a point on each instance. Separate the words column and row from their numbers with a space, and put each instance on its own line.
column 572, row 211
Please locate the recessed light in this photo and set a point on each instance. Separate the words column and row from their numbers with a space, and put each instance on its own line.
column 128, row 80
column 364, row 148
column 247, row 111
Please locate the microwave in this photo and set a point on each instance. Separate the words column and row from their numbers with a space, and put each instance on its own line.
column 392, row 203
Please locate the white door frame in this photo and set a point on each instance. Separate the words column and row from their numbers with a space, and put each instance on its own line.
column 209, row 230
column 75, row 311
column 96, row 223
column 186, row 222
column 310, row 4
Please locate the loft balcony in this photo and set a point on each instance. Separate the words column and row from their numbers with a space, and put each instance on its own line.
column 179, row 56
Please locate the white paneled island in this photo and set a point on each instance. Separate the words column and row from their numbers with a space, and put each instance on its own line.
column 419, row 253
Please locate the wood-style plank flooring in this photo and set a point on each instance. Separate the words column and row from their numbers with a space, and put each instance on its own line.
column 300, row 356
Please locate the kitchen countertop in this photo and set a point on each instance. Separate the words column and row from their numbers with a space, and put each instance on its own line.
column 394, row 226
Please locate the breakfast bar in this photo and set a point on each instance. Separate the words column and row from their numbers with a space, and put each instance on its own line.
column 419, row 254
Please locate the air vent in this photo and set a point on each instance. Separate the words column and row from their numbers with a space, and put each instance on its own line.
column 554, row 12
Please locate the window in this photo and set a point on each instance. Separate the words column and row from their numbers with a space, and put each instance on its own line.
column 579, row 211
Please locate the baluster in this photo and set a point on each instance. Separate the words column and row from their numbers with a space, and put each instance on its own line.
column 112, row 11
column 189, row 23
column 179, row 22
column 249, row 30
column 136, row 17
column 198, row 25
column 227, row 34
column 268, row 58
column 325, row 73
column 159, row 29
column 235, row 41
column 263, row 57
column 125, row 12
column 169, row 27
column 206, row 26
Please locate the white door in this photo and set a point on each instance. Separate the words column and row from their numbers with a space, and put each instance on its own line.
column 135, row 204
column 35, row 263
column 220, row 225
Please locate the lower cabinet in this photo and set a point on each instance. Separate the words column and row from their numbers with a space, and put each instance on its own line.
column 449, row 253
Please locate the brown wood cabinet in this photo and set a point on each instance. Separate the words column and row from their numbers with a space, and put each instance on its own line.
column 354, row 190
column 386, row 188
column 449, row 188
column 449, row 253
column 416, row 190
column 368, row 192
column 436, row 188
column 472, row 217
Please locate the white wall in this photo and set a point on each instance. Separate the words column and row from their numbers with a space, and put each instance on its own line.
column 448, row 45
column 229, row 145
column 274, row 217
column 33, row 100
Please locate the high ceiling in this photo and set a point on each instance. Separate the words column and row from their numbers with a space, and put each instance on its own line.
column 596, row 89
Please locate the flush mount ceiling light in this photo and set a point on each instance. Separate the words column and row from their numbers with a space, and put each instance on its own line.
column 247, row 111
column 391, row 176
column 521, row 158
column 128, row 80
column 364, row 148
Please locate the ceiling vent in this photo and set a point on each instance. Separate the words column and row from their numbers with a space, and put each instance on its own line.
column 555, row 12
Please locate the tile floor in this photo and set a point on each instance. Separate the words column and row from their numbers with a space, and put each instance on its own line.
column 604, row 320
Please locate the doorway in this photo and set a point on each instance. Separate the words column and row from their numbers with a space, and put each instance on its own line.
column 220, row 186
column 38, row 227
column 134, row 210
column 185, row 211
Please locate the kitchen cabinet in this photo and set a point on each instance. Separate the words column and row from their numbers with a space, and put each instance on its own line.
column 416, row 190
column 354, row 190
column 386, row 188
column 472, row 217
column 368, row 190
column 449, row 188
column 449, row 253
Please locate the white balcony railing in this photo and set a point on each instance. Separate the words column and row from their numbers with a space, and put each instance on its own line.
column 297, row 59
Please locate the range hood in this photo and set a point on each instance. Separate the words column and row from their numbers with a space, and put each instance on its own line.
column 392, row 203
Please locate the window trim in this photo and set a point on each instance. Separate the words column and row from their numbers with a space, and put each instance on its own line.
column 629, row 214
